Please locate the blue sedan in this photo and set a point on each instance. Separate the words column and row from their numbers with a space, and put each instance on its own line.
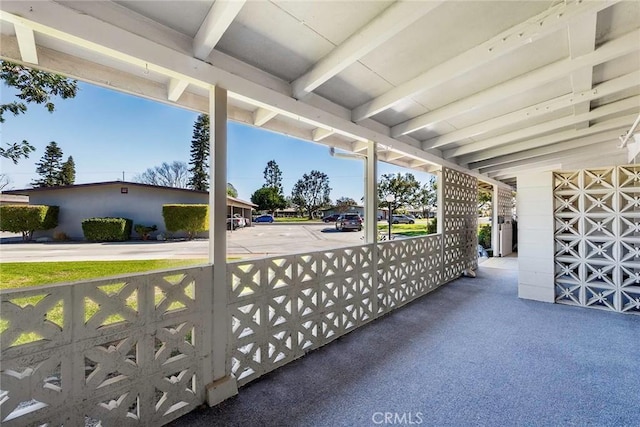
column 264, row 218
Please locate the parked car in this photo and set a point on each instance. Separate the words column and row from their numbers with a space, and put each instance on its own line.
column 350, row 221
column 236, row 221
column 331, row 218
column 264, row 218
column 402, row 219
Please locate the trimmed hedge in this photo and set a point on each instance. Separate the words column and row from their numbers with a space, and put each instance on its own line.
column 432, row 226
column 27, row 219
column 107, row 229
column 189, row 218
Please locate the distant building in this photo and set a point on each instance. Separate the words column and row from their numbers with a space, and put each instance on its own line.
column 12, row 199
column 142, row 203
column 351, row 209
column 295, row 212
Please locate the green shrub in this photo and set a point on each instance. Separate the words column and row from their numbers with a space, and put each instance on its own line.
column 144, row 231
column 484, row 236
column 189, row 218
column 107, row 229
column 432, row 226
column 27, row 219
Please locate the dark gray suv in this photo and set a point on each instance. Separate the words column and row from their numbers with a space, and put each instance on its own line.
column 350, row 221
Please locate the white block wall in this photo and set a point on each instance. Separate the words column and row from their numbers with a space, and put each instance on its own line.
column 535, row 236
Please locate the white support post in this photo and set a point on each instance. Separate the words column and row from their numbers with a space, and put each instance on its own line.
column 223, row 385
column 371, row 216
column 440, row 204
column 371, row 195
column 495, row 232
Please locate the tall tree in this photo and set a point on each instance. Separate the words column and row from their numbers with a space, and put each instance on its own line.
column 344, row 203
column 49, row 167
column 231, row 190
column 199, row 175
column 273, row 176
column 311, row 192
column 402, row 187
column 268, row 199
column 68, row 172
column 33, row 86
column 174, row 174
column 426, row 197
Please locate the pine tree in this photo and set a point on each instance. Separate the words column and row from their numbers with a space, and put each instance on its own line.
column 49, row 167
column 273, row 176
column 68, row 172
column 199, row 162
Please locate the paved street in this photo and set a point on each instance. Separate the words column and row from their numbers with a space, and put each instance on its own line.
column 257, row 241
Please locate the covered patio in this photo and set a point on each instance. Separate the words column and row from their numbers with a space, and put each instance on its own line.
column 471, row 353
column 541, row 97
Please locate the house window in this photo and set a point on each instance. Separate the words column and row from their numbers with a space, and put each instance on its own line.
column 124, row 190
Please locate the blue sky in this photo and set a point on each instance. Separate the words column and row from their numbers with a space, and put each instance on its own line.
column 108, row 132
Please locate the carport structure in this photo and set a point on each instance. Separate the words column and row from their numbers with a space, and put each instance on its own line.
column 527, row 93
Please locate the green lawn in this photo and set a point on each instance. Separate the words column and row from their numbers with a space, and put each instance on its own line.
column 410, row 230
column 295, row 219
column 23, row 274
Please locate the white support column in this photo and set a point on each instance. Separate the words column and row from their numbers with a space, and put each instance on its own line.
column 371, row 195
column 223, row 385
column 440, row 206
column 495, row 233
column 371, row 215
column 536, row 245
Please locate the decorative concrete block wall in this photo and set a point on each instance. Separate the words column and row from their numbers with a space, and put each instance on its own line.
column 139, row 348
column 505, row 203
column 460, row 222
column 535, row 236
column 597, row 238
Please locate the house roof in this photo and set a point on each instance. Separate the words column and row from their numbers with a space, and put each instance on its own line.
column 13, row 199
column 492, row 88
column 27, row 191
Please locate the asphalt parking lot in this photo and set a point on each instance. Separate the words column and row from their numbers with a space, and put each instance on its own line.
column 256, row 241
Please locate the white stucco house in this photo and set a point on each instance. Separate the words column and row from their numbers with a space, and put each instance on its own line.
column 142, row 203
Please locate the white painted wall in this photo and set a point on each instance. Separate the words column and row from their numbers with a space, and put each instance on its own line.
column 535, row 236
column 141, row 204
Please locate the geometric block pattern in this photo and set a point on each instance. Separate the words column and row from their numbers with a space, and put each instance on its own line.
column 133, row 350
column 597, row 238
column 408, row 269
column 105, row 352
column 282, row 307
column 505, row 203
column 460, row 222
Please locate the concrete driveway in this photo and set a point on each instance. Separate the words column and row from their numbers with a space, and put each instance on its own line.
column 257, row 241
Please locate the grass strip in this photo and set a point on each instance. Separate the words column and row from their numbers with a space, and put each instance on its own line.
column 23, row 274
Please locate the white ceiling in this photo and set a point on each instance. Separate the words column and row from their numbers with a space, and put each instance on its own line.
column 495, row 87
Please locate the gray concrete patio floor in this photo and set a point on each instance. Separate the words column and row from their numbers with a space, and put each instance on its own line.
column 469, row 354
column 510, row 262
